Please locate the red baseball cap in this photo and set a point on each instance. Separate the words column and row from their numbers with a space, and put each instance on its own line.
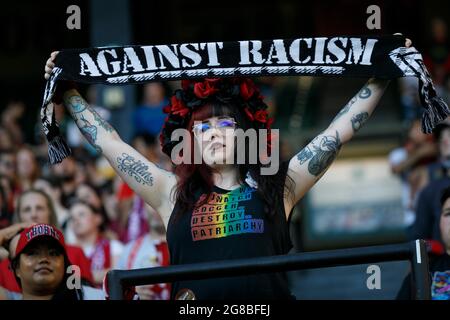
column 38, row 231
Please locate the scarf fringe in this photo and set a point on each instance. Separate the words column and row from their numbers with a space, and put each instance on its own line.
column 436, row 111
column 58, row 150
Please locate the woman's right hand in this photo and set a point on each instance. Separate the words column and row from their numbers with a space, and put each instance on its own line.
column 8, row 233
column 50, row 64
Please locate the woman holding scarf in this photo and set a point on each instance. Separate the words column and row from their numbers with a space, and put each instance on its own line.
column 216, row 209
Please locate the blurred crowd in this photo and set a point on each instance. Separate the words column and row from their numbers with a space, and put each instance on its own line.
column 423, row 161
column 105, row 224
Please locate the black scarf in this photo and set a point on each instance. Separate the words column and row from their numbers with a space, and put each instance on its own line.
column 382, row 57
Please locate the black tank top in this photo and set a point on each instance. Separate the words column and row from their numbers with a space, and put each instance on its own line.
column 229, row 225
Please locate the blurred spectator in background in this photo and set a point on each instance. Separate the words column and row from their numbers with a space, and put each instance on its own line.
column 52, row 187
column 437, row 57
column 6, row 141
column 8, row 163
column 89, row 226
column 10, row 121
column 35, row 206
column 426, row 225
column 66, row 172
column 409, row 99
column 149, row 250
column 409, row 163
column 5, row 213
column 7, row 202
column 149, row 117
column 439, row 264
column 27, row 168
column 88, row 193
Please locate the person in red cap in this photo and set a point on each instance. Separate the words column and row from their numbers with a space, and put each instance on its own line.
column 39, row 262
column 35, row 206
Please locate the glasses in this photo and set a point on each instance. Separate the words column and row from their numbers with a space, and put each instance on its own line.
column 222, row 125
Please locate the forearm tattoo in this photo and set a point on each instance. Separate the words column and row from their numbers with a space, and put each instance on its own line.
column 345, row 109
column 358, row 120
column 321, row 152
column 101, row 122
column 135, row 168
column 89, row 131
column 364, row 93
column 79, row 109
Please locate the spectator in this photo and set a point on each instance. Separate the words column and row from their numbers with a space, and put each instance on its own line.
column 66, row 172
column 27, row 168
column 437, row 57
column 426, row 225
column 149, row 117
column 440, row 264
column 6, row 202
column 6, row 141
column 40, row 262
column 89, row 226
column 8, row 163
column 34, row 206
column 410, row 164
column 146, row 252
column 52, row 187
column 10, row 121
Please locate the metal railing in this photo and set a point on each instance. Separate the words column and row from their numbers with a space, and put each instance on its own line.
column 414, row 251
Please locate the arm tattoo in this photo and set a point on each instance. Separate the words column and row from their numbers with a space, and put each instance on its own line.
column 78, row 108
column 321, row 152
column 364, row 93
column 89, row 131
column 305, row 155
column 101, row 122
column 345, row 109
column 76, row 103
column 135, row 168
column 358, row 120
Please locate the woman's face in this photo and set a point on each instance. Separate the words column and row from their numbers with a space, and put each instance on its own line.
column 34, row 208
column 444, row 224
column 85, row 193
column 26, row 163
column 84, row 220
column 41, row 267
column 215, row 137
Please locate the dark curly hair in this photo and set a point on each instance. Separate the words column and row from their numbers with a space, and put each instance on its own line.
column 236, row 97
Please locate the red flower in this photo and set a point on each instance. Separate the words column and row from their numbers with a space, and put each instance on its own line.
column 182, row 112
column 247, row 89
column 213, row 81
column 167, row 109
column 204, row 89
column 261, row 116
column 186, row 83
column 178, row 107
column 249, row 113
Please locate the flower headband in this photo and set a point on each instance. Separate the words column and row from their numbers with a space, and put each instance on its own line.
column 195, row 93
